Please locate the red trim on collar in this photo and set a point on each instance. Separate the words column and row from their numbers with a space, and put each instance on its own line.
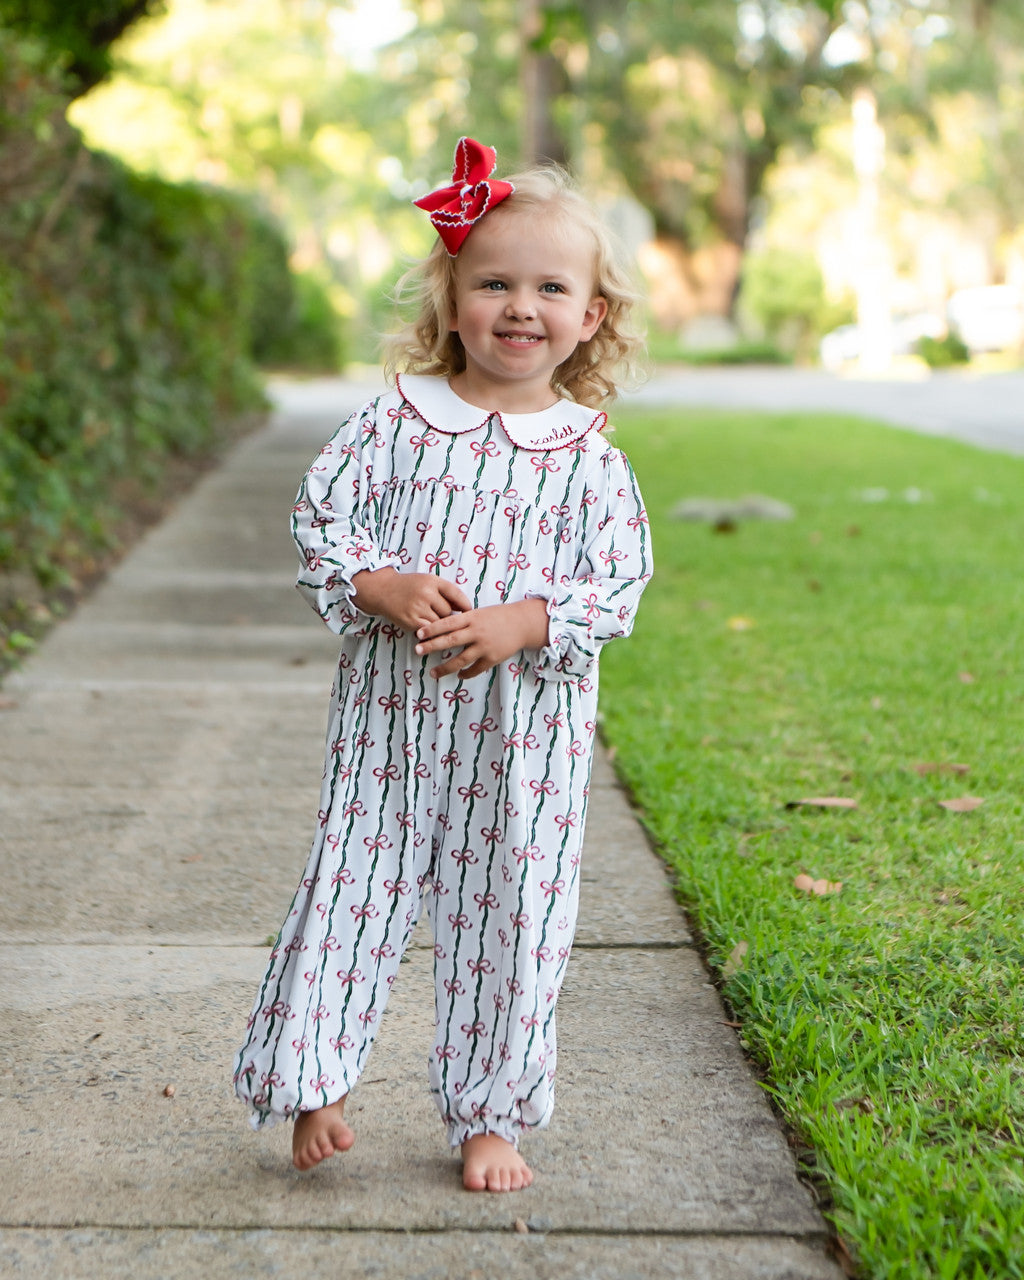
column 562, row 434
column 434, row 426
column 559, row 438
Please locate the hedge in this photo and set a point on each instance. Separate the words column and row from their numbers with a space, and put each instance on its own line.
column 133, row 313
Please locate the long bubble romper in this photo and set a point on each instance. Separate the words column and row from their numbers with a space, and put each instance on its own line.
column 468, row 794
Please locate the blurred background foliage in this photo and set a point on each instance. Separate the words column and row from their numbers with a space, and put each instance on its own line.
column 195, row 187
column 708, row 130
column 79, row 34
column 134, row 312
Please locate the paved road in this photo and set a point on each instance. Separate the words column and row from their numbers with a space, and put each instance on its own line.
column 159, row 766
column 987, row 411
column 984, row 410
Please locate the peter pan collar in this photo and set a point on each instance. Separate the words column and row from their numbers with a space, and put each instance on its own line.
column 564, row 424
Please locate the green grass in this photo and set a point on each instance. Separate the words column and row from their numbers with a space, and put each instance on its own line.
column 886, row 633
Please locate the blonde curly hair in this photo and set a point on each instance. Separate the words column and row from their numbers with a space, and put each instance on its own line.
column 592, row 374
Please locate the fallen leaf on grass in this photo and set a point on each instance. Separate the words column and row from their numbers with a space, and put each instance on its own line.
column 734, row 964
column 962, row 804
column 806, row 884
column 822, row 802
column 931, row 766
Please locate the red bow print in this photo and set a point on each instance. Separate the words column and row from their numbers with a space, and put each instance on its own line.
column 456, row 209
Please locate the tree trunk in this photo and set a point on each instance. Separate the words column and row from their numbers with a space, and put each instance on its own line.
column 540, row 78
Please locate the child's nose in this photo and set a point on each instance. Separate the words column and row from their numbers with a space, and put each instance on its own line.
column 521, row 305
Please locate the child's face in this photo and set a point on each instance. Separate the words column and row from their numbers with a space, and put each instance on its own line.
column 524, row 300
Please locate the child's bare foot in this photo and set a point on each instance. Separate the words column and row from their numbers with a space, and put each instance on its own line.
column 319, row 1134
column 489, row 1163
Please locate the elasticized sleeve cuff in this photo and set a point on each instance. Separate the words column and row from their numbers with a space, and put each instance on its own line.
column 567, row 655
column 333, row 596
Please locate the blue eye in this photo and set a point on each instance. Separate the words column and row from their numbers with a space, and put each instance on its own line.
column 494, row 285
column 551, row 287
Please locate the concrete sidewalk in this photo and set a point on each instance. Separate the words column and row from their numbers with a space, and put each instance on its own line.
column 159, row 764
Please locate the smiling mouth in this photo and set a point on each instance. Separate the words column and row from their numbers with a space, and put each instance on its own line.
column 523, row 338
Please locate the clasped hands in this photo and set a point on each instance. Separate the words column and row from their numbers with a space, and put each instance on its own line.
column 443, row 617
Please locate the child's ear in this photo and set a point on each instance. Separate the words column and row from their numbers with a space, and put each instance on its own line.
column 596, row 311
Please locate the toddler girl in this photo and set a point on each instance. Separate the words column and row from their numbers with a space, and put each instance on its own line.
column 474, row 540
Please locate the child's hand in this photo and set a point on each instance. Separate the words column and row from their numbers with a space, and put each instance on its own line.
column 485, row 636
column 410, row 600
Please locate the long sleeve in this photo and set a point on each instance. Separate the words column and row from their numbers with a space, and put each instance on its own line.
column 599, row 601
column 332, row 526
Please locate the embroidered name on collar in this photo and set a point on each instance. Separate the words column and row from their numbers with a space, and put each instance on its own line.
column 561, row 435
column 564, row 424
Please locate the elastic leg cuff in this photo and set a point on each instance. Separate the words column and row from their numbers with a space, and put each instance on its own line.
column 460, row 1131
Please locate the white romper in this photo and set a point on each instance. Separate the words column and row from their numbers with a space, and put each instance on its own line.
column 468, row 794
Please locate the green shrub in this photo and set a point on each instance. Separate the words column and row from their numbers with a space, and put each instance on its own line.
column 783, row 292
column 132, row 314
column 312, row 338
column 940, row 353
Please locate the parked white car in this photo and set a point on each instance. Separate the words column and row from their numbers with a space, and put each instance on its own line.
column 990, row 318
column 846, row 343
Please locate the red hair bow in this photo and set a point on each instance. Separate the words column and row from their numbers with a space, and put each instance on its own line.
column 455, row 210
